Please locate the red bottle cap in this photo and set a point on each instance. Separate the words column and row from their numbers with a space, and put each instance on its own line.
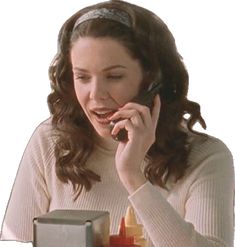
column 121, row 239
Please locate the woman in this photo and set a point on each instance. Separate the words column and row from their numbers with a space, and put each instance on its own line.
column 179, row 181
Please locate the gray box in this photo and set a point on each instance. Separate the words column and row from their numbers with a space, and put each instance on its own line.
column 72, row 228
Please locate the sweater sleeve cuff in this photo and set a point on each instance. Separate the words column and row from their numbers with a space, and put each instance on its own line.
column 146, row 191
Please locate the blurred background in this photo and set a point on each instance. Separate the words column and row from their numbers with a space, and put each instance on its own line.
column 205, row 37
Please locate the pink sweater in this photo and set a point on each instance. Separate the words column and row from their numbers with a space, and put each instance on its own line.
column 197, row 211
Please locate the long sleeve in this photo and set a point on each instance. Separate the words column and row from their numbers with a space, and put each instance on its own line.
column 29, row 197
column 206, row 195
column 197, row 211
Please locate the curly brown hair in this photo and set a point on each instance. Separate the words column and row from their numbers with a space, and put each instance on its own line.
column 150, row 41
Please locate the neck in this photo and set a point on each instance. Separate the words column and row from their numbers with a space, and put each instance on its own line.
column 108, row 144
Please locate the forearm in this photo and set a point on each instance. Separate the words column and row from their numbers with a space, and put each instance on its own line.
column 165, row 227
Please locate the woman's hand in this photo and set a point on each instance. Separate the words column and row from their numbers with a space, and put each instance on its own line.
column 141, row 127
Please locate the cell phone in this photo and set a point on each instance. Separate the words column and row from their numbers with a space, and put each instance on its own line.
column 144, row 98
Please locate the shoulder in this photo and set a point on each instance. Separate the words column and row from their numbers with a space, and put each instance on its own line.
column 209, row 153
column 44, row 128
column 206, row 145
column 43, row 133
column 42, row 140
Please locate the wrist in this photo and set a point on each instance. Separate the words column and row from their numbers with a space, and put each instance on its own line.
column 132, row 181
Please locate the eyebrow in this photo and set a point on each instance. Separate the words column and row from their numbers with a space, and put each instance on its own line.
column 105, row 69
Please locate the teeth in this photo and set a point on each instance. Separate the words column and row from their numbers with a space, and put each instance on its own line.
column 104, row 114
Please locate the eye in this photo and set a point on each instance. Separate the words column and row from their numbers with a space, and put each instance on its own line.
column 82, row 78
column 115, row 77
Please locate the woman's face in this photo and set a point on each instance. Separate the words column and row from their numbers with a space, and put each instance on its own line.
column 105, row 78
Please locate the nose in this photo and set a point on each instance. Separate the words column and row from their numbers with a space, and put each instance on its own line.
column 98, row 90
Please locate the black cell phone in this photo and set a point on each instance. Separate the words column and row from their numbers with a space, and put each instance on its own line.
column 144, row 98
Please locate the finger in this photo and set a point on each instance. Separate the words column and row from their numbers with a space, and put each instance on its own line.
column 122, row 124
column 131, row 114
column 143, row 110
column 156, row 110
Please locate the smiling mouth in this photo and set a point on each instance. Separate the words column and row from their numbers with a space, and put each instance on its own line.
column 103, row 118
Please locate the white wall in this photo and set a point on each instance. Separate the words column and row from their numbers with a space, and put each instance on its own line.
column 204, row 32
